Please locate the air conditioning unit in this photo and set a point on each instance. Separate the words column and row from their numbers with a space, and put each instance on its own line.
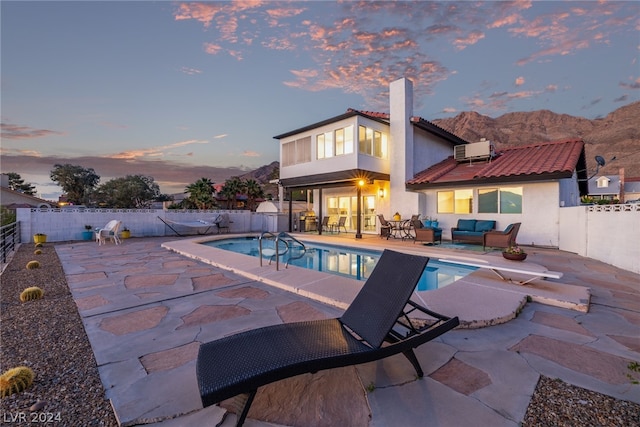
column 476, row 150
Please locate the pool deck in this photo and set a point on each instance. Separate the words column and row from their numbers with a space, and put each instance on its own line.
column 146, row 309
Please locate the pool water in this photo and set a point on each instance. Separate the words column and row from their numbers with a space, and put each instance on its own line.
column 343, row 261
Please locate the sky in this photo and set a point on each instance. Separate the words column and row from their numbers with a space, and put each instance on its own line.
column 184, row 90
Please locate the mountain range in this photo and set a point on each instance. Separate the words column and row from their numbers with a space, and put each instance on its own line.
column 616, row 135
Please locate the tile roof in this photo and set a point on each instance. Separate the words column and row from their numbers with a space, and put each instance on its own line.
column 373, row 114
column 557, row 159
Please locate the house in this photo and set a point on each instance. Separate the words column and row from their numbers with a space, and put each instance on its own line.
column 12, row 199
column 360, row 164
column 607, row 187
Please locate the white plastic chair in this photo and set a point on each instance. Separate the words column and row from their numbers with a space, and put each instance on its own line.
column 109, row 231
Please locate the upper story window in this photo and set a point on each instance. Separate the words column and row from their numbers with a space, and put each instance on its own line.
column 298, row 151
column 372, row 142
column 602, row 182
column 335, row 143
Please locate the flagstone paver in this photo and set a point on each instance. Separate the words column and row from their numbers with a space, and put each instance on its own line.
column 150, row 280
column 298, row 311
column 135, row 321
column 87, row 303
column 211, row 281
column 146, row 311
column 598, row 364
column 170, row 359
column 461, row 377
column 560, row 322
column 212, row 313
column 244, row 292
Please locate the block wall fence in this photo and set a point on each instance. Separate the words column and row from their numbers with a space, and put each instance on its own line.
column 608, row 233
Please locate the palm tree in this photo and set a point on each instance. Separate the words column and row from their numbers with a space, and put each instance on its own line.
column 201, row 193
column 232, row 187
column 254, row 191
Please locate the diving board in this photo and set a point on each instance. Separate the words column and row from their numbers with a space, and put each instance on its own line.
column 540, row 273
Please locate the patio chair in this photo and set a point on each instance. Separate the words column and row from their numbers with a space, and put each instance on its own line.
column 325, row 226
column 223, row 223
column 386, row 228
column 426, row 234
column 501, row 239
column 342, row 221
column 109, row 231
column 380, row 312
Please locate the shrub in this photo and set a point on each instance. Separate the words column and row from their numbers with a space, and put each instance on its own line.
column 37, row 252
column 39, row 245
column 15, row 380
column 32, row 265
column 31, row 293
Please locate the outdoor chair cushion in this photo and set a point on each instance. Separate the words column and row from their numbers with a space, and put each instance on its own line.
column 467, row 225
column 485, row 225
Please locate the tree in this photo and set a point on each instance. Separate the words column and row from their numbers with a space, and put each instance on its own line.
column 201, row 193
column 254, row 191
column 232, row 187
column 16, row 183
column 77, row 182
column 132, row 191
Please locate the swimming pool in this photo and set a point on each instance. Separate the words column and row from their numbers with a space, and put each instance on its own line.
column 343, row 261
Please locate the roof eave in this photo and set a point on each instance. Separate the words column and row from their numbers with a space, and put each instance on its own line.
column 492, row 180
column 349, row 113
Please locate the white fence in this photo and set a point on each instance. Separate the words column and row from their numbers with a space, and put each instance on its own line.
column 608, row 233
column 69, row 224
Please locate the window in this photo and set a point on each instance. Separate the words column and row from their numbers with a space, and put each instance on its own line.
column 298, row 151
column 511, row 200
column 372, row 142
column 344, row 141
column 445, row 201
column 463, row 201
column 488, row 201
column 325, row 146
column 457, row 201
column 500, row 200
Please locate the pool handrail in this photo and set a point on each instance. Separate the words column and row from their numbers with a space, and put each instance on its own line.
column 284, row 235
column 285, row 238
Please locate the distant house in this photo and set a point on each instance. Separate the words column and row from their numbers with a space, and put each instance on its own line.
column 361, row 164
column 608, row 187
column 11, row 199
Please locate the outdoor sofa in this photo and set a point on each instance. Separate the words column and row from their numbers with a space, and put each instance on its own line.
column 381, row 312
column 471, row 230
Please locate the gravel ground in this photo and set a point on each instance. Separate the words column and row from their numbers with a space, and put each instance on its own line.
column 48, row 336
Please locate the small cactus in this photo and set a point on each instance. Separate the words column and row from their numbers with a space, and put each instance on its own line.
column 39, row 245
column 32, row 265
column 31, row 293
column 37, row 252
column 15, row 380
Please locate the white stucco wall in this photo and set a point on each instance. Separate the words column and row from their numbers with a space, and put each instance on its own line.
column 336, row 163
column 539, row 216
column 428, row 150
column 609, row 233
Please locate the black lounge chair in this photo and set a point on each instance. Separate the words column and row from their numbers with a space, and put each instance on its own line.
column 244, row 362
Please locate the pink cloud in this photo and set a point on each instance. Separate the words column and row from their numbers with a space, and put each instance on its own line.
column 519, row 81
column 212, row 48
column 11, row 131
column 249, row 153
